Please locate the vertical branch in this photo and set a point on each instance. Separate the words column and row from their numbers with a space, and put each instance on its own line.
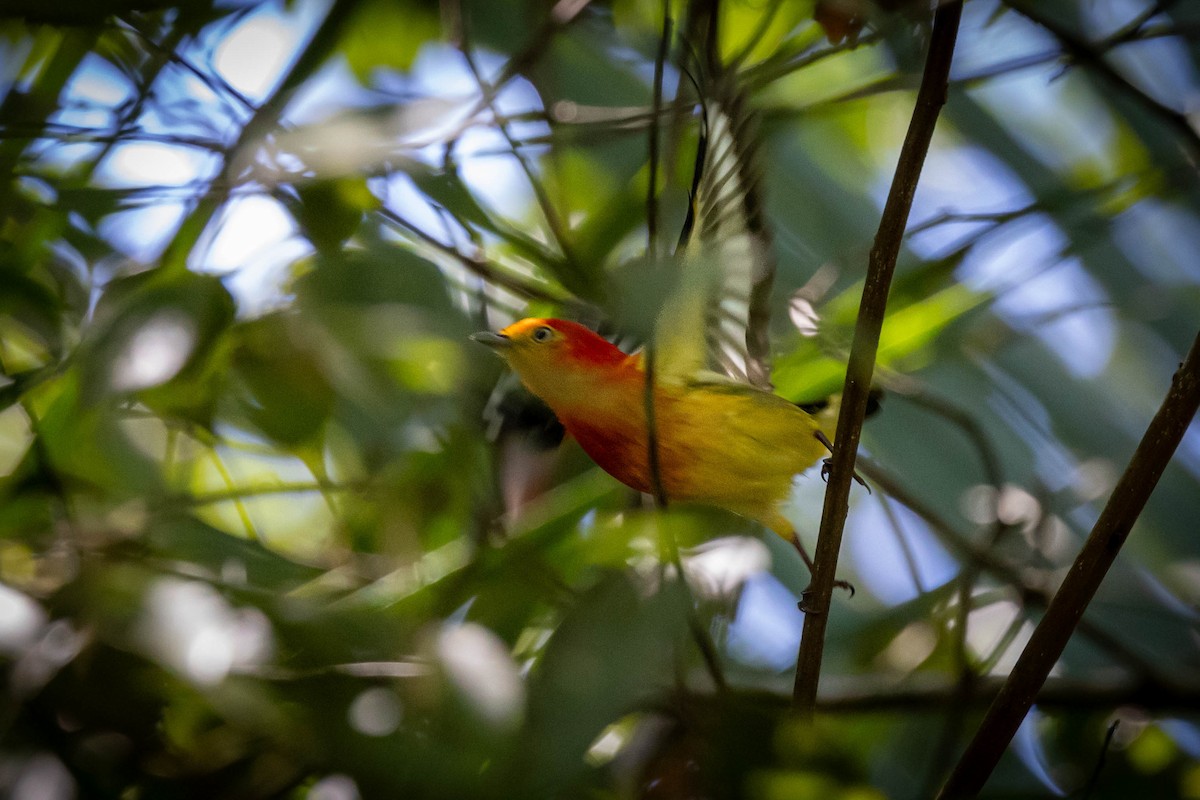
column 700, row 634
column 1063, row 614
column 652, row 455
column 660, row 496
column 930, row 99
column 655, row 113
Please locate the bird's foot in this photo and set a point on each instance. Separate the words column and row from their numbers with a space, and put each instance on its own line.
column 827, row 466
column 806, row 596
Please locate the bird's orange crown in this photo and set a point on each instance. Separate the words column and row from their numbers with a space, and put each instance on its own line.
column 563, row 341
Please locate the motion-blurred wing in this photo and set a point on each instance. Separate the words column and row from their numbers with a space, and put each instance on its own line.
column 716, row 322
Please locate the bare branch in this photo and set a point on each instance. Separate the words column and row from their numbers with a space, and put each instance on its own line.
column 922, row 694
column 1092, row 56
column 264, row 119
column 930, row 99
column 984, row 559
column 1066, row 609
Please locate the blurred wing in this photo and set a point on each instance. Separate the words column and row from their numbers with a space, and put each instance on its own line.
column 715, row 324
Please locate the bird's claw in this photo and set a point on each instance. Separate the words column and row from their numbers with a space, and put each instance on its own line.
column 827, row 466
column 803, row 605
column 806, row 596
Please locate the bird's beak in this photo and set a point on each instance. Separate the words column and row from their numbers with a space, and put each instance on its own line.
column 496, row 341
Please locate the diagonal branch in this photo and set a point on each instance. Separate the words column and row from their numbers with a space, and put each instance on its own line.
column 652, row 456
column 1065, row 610
column 930, row 99
column 1092, row 56
column 261, row 123
column 924, row 695
column 981, row 558
column 557, row 227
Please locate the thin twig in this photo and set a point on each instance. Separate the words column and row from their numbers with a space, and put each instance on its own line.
column 1094, row 780
column 660, row 58
column 563, row 13
column 1062, row 616
column 767, row 72
column 764, row 23
column 923, row 694
column 237, row 493
column 1092, row 56
column 557, row 227
column 947, row 742
column 237, row 499
column 906, row 550
column 474, row 264
column 220, row 87
column 930, row 99
column 652, row 456
column 700, row 634
column 37, row 103
column 985, row 559
column 262, row 122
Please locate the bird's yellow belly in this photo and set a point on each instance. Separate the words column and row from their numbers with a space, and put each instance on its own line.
column 737, row 451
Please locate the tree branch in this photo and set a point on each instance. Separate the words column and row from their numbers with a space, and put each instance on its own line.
column 983, row 558
column 1065, row 610
column 918, row 695
column 930, row 99
column 1092, row 56
column 262, row 122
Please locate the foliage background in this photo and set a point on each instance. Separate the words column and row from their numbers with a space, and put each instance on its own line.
column 261, row 534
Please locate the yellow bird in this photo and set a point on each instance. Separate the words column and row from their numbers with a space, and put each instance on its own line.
column 719, row 443
column 722, row 438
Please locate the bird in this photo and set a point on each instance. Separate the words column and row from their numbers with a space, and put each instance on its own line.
column 721, row 443
column 715, row 433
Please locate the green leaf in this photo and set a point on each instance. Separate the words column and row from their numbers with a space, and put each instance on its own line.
column 179, row 536
column 387, row 33
column 85, row 445
column 281, row 384
column 596, row 669
column 156, row 335
column 330, row 211
column 380, row 276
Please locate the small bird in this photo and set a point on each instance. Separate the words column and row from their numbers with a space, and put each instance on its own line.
column 722, row 437
column 721, row 443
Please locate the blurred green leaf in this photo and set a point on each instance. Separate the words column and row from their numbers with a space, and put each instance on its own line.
column 160, row 336
column 331, row 211
column 85, row 445
column 593, row 672
column 388, row 33
column 283, row 389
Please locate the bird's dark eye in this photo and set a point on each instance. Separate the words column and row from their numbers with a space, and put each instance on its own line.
column 542, row 334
